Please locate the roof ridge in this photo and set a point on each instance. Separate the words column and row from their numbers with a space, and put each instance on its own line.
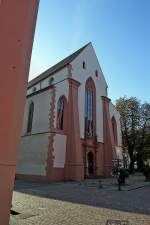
column 56, row 67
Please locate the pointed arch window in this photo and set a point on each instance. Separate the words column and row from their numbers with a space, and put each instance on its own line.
column 61, row 113
column 90, row 109
column 114, row 127
column 30, row 117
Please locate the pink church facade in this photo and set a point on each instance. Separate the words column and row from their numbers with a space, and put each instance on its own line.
column 71, row 130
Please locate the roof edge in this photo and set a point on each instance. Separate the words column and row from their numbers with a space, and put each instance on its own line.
column 56, row 67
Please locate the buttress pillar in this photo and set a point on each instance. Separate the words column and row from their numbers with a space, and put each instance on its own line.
column 109, row 145
column 74, row 169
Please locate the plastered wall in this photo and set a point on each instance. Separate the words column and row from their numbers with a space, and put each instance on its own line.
column 33, row 155
column 57, row 77
column 115, row 113
column 59, row 150
column 41, row 112
column 61, row 89
column 34, row 146
column 81, row 75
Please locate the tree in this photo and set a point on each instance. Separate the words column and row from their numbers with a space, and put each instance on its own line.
column 135, row 124
column 143, row 145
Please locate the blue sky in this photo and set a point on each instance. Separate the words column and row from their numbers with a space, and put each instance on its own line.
column 118, row 29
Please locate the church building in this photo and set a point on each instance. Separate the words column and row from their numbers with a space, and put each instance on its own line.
column 71, row 130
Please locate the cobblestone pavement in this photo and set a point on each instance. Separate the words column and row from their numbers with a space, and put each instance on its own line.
column 74, row 203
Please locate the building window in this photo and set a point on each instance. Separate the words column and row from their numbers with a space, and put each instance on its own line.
column 30, row 117
column 96, row 73
column 106, row 91
column 83, row 65
column 51, row 80
column 34, row 89
column 61, row 107
column 114, row 127
column 90, row 110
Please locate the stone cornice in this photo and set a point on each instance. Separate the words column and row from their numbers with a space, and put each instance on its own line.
column 106, row 99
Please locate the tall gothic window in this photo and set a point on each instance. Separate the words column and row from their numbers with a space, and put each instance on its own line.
column 30, row 117
column 114, row 127
column 60, row 114
column 90, row 108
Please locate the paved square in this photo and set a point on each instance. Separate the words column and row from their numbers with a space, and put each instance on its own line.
column 79, row 203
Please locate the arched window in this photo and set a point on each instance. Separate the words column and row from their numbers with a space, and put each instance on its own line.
column 114, row 127
column 96, row 73
column 90, row 109
column 61, row 113
column 30, row 117
column 83, row 65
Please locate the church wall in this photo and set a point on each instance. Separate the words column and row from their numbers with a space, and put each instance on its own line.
column 43, row 151
column 59, row 140
column 81, row 75
column 57, row 77
column 59, row 150
column 115, row 113
column 40, row 117
column 34, row 145
column 61, row 88
column 33, row 155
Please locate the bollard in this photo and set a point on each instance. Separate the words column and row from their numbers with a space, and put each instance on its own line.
column 119, row 183
column 100, row 184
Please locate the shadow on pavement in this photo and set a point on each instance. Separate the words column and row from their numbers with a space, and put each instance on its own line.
column 136, row 201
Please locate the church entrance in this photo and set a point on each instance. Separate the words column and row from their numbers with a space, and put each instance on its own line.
column 90, row 163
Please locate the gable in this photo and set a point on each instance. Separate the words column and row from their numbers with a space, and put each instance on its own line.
column 92, row 69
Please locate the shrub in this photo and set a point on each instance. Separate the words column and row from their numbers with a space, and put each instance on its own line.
column 123, row 175
column 146, row 172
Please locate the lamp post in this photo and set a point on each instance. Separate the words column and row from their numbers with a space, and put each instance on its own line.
column 17, row 25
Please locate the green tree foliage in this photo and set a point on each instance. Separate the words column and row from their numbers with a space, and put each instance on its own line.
column 135, row 125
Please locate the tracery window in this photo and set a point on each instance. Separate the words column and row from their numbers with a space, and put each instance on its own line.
column 114, row 127
column 89, row 108
column 30, row 117
column 60, row 114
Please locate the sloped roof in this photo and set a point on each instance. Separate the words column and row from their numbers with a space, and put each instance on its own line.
column 56, row 67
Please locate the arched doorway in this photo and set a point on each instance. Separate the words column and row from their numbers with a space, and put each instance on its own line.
column 90, row 160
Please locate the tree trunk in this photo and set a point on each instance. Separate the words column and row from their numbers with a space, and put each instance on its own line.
column 131, row 166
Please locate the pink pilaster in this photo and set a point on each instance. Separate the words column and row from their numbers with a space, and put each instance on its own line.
column 74, row 169
column 17, row 24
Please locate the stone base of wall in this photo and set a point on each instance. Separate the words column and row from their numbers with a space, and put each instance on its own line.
column 30, row 177
column 74, row 172
column 56, row 175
